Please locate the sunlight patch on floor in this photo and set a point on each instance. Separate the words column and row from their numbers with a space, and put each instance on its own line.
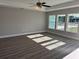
column 53, row 46
column 50, row 42
column 42, row 39
column 45, row 41
column 35, row 35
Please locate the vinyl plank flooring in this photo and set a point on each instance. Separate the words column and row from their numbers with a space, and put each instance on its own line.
column 22, row 47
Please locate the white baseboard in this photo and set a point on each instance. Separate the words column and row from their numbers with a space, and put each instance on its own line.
column 13, row 35
column 72, row 37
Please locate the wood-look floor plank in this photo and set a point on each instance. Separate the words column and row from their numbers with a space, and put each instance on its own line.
column 22, row 47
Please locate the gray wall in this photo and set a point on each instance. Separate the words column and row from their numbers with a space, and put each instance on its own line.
column 16, row 21
column 65, row 11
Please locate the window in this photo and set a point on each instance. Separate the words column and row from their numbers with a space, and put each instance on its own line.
column 68, row 23
column 52, row 22
column 60, row 22
column 72, row 23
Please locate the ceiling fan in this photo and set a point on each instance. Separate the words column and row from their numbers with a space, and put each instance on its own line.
column 41, row 4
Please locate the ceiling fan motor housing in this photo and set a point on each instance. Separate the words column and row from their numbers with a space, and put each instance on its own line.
column 39, row 4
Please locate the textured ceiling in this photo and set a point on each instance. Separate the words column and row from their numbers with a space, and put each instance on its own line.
column 56, row 4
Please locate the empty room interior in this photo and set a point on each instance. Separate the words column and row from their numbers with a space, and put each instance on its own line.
column 39, row 29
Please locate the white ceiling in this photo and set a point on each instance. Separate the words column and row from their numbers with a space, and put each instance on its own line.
column 56, row 4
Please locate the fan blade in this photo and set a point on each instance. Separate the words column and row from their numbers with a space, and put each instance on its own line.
column 46, row 6
column 43, row 2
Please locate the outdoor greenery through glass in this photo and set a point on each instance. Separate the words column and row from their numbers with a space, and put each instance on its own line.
column 72, row 24
column 52, row 22
column 60, row 22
